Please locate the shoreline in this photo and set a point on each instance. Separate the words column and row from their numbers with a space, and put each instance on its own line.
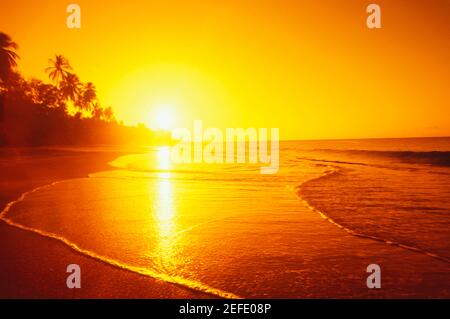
column 336, row 260
column 41, row 273
column 349, row 231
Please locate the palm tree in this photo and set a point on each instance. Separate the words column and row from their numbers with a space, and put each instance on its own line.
column 45, row 94
column 108, row 114
column 8, row 56
column 97, row 112
column 70, row 87
column 88, row 97
column 59, row 69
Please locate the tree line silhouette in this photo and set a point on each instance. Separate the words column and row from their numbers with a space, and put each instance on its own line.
column 65, row 111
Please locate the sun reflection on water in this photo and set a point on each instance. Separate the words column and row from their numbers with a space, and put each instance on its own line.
column 164, row 210
column 163, row 158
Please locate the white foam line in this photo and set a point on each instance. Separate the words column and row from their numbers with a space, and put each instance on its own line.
column 186, row 283
column 334, row 170
column 22, row 197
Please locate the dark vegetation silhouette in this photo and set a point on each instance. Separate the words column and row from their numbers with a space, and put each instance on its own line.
column 63, row 112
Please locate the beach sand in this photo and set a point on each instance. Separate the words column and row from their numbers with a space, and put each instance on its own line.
column 32, row 266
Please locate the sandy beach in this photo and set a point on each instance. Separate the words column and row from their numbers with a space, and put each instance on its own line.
column 33, row 266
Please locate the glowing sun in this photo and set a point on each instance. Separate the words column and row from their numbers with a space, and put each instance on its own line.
column 162, row 118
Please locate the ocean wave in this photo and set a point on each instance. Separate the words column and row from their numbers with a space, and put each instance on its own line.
column 176, row 280
column 332, row 171
column 437, row 158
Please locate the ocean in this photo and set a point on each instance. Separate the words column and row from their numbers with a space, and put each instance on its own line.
column 308, row 231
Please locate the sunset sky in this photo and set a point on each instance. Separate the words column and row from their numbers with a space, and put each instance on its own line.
column 311, row 68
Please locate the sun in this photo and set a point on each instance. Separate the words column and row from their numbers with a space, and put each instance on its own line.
column 162, row 118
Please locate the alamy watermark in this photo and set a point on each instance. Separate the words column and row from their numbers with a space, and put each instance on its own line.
column 374, row 19
column 374, row 279
column 73, row 20
column 234, row 145
column 74, row 279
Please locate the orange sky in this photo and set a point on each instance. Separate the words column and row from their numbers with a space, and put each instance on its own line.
column 311, row 68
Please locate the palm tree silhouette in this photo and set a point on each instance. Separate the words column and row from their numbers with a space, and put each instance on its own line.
column 108, row 114
column 45, row 94
column 97, row 112
column 88, row 97
column 8, row 56
column 59, row 69
column 70, row 87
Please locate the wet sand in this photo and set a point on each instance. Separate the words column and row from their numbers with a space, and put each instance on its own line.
column 32, row 266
